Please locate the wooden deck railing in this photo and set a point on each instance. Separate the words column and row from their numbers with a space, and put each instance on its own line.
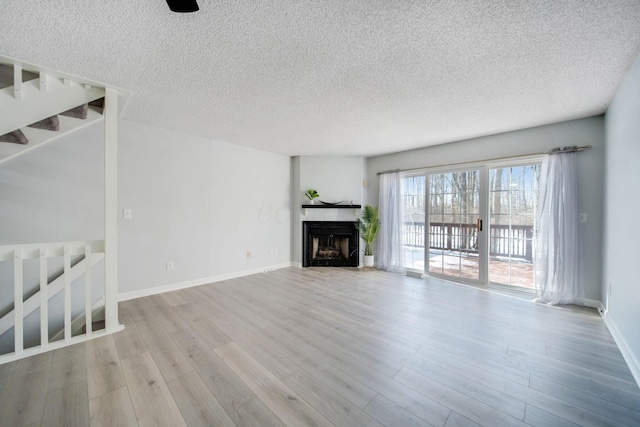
column 504, row 240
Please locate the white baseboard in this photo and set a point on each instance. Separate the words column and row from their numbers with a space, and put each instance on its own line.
column 124, row 296
column 593, row 303
column 602, row 310
column 627, row 354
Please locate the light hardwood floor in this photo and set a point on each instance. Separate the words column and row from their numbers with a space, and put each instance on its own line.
column 323, row 346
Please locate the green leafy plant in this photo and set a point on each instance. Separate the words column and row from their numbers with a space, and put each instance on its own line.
column 369, row 226
column 311, row 194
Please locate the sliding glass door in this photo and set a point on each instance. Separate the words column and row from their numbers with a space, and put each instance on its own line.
column 513, row 200
column 453, row 214
column 475, row 224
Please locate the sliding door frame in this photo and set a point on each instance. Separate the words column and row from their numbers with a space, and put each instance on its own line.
column 525, row 161
column 428, row 214
column 484, row 168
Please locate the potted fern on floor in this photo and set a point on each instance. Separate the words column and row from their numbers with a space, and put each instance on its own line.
column 369, row 226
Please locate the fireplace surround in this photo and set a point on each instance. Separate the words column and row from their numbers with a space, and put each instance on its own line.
column 330, row 244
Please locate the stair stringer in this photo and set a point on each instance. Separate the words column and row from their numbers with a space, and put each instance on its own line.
column 52, row 93
column 36, row 104
column 40, row 137
column 123, row 95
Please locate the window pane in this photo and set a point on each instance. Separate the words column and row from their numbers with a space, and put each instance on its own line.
column 413, row 193
column 512, row 204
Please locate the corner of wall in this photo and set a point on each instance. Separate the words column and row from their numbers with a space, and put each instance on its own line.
column 622, row 206
column 623, row 345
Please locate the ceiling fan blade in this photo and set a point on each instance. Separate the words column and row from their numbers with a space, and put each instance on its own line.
column 183, row 6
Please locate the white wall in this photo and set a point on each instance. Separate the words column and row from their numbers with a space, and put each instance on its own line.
column 622, row 210
column 197, row 202
column 588, row 131
column 335, row 178
column 54, row 193
column 200, row 203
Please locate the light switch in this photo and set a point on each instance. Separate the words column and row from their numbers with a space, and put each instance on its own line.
column 127, row 213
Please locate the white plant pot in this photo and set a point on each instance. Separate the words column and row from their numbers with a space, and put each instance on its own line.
column 368, row 260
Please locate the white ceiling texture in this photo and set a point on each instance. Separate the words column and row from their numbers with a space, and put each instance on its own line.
column 338, row 77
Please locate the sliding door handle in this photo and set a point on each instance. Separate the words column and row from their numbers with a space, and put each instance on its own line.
column 479, row 224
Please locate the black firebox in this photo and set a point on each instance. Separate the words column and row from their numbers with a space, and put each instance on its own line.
column 330, row 244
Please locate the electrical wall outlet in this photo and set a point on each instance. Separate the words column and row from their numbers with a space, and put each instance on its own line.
column 127, row 213
column 583, row 218
column 170, row 265
column 248, row 254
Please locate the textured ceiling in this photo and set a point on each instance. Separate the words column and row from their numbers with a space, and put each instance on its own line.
column 337, row 77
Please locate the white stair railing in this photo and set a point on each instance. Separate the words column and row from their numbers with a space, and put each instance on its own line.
column 43, row 252
column 55, row 286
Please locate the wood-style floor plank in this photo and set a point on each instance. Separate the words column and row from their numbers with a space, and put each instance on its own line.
column 279, row 398
column 266, row 355
column 198, row 405
column 538, row 417
column 170, row 360
column 462, row 403
column 112, row 409
column 457, row 420
column 129, row 342
column 418, row 404
column 255, row 414
column 67, row 406
column 167, row 317
column 24, row 396
column 68, row 366
column 336, row 408
column 480, row 391
column 173, row 298
column 331, row 346
column 392, row 414
column 104, row 373
column 586, row 401
column 225, row 385
column 338, row 380
column 152, row 401
column 5, row 374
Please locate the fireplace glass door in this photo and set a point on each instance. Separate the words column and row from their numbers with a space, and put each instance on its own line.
column 330, row 244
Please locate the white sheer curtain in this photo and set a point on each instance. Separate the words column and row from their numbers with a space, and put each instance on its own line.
column 390, row 253
column 559, row 278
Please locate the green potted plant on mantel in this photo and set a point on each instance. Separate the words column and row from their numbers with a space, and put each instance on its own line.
column 369, row 226
column 312, row 195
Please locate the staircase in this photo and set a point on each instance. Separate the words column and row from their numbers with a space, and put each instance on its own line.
column 37, row 106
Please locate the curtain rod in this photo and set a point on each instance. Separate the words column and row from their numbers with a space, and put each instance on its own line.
column 558, row 150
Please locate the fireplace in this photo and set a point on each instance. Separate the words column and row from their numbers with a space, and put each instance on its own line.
column 330, row 244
